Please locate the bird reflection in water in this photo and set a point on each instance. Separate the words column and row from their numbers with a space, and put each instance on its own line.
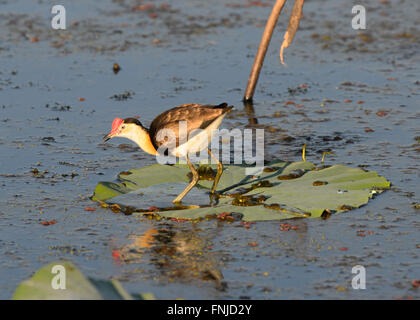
column 177, row 253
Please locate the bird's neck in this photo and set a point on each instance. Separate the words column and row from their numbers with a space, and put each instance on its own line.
column 142, row 139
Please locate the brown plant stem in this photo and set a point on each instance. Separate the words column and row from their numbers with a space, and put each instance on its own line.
column 262, row 49
column 292, row 27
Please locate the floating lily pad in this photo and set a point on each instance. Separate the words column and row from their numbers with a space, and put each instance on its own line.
column 77, row 286
column 286, row 190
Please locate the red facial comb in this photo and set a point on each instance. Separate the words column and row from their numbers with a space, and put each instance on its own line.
column 116, row 124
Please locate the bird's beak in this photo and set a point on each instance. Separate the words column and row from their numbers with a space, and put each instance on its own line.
column 108, row 136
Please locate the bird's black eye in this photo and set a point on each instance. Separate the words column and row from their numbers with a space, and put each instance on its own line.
column 122, row 127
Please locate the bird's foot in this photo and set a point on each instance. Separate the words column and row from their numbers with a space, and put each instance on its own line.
column 214, row 197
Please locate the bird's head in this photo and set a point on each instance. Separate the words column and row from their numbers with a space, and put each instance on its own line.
column 125, row 128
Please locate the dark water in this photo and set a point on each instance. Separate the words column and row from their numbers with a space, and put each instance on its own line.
column 202, row 51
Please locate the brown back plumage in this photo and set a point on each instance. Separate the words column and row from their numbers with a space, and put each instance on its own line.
column 197, row 117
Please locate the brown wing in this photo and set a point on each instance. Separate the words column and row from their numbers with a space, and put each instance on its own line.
column 197, row 117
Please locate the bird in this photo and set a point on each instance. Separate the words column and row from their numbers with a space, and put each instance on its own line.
column 208, row 118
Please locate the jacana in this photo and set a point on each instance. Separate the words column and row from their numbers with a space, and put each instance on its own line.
column 205, row 117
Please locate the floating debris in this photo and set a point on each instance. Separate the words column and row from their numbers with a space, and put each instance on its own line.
column 301, row 89
column 116, row 68
column 59, row 107
column 48, row 139
column 48, row 223
column 319, row 183
column 123, row 96
column 226, row 216
column 326, row 214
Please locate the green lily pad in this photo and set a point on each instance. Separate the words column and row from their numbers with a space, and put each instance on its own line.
column 284, row 190
column 77, row 286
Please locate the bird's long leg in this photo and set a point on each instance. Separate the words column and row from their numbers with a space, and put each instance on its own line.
column 192, row 183
column 219, row 171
